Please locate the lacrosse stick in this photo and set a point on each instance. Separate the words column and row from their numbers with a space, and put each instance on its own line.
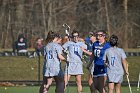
column 67, row 32
column 138, row 83
column 129, row 84
column 67, row 29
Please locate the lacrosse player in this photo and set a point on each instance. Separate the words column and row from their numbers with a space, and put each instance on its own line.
column 100, row 71
column 115, row 60
column 74, row 66
column 52, row 64
column 98, row 49
column 90, row 66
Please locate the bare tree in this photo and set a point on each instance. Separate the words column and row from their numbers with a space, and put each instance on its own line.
column 34, row 18
column 126, row 24
column 44, row 16
column 107, row 18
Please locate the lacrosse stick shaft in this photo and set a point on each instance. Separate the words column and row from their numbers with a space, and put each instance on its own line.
column 138, row 83
column 67, row 78
column 129, row 84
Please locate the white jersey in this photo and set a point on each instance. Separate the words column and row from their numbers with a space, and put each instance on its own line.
column 74, row 56
column 74, row 51
column 114, row 58
column 52, row 64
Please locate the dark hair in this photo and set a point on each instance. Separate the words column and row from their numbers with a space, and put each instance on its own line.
column 75, row 31
column 91, row 33
column 103, row 31
column 104, row 34
column 58, row 35
column 51, row 35
column 113, row 40
column 39, row 38
column 21, row 36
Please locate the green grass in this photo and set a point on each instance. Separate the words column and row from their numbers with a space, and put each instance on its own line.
column 132, row 50
column 35, row 89
column 10, row 49
column 23, row 68
column 18, row 68
column 134, row 68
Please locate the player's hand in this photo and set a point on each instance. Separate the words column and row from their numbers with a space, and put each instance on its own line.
column 82, row 48
column 106, row 65
column 127, row 73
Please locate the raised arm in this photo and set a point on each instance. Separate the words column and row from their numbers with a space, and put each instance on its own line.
column 86, row 51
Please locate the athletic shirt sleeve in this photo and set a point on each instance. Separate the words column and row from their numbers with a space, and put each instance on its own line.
column 93, row 46
column 84, row 45
column 105, row 54
column 107, row 45
column 59, row 49
column 65, row 46
column 123, row 54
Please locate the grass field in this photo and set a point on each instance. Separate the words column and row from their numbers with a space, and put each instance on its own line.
column 35, row 89
column 23, row 68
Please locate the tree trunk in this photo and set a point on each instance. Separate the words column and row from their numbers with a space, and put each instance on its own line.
column 31, row 30
column 102, row 15
column 20, row 16
column 44, row 17
column 50, row 25
column 2, row 25
column 126, row 25
column 107, row 18
column 7, row 30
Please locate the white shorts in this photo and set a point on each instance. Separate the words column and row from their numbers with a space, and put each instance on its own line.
column 115, row 78
column 53, row 72
column 74, row 68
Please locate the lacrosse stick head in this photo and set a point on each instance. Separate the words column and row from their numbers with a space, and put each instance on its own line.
column 67, row 29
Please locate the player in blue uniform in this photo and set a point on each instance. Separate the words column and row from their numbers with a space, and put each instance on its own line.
column 74, row 55
column 98, row 49
column 90, row 66
column 52, row 65
column 100, row 71
column 115, row 60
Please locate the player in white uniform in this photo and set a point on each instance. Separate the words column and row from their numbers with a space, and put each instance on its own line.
column 115, row 60
column 75, row 65
column 52, row 65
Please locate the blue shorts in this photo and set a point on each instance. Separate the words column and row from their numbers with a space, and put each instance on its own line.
column 99, row 70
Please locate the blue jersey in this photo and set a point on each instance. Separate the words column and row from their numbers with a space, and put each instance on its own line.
column 99, row 51
column 88, row 43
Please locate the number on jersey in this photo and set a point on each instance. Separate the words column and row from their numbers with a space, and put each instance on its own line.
column 76, row 49
column 112, row 61
column 49, row 55
column 97, row 52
